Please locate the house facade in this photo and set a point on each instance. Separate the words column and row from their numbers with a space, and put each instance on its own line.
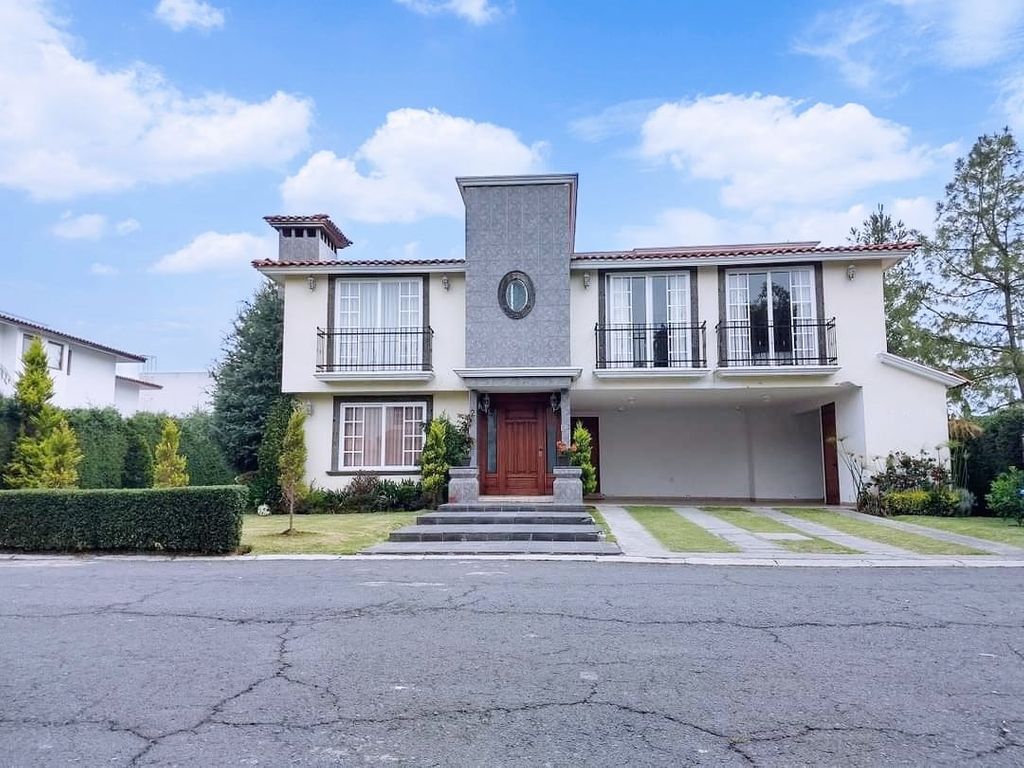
column 726, row 372
column 84, row 372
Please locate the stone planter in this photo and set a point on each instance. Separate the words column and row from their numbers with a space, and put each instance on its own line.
column 463, row 485
column 568, row 485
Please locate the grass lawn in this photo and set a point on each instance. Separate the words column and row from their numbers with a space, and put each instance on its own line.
column 911, row 542
column 990, row 528
column 676, row 533
column 602, row 524
column 754, row 522
column 320, row 534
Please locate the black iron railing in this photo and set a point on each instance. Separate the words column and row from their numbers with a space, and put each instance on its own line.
column 659, row 345
column 802, row 342
column 373, row 349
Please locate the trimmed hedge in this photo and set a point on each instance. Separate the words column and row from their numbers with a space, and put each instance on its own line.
column 193, row 519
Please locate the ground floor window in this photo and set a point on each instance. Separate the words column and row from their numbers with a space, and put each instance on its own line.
column 381, row 435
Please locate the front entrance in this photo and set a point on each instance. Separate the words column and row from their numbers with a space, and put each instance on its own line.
column 516, row 445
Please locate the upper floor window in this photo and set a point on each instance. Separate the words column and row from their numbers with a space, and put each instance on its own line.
column 378, row 324
column 379, row 303
column 771, row 316
column 54, row 351
column 648, row 320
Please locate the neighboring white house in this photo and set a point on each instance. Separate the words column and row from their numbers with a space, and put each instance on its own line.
column 725, row 372
column 174, row 392
column 84, row 372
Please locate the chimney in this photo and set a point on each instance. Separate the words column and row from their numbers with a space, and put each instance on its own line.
column 307, row 238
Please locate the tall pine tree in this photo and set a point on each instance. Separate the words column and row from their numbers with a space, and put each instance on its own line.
column 248, row 377
column 292, row 463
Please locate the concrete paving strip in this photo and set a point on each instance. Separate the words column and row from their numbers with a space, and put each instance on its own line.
column 867, row 546
column 995, row 547
column 633, row 538
column 749, row 543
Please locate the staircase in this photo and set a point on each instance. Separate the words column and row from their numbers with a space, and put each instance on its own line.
column 492, row 527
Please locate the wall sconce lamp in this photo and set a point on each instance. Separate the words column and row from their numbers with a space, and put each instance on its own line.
column 556, row 401
column 309, row 407
column 851, row 272
column 484, row 403
column 586, row 280
column 445, row 282
column 311, row 283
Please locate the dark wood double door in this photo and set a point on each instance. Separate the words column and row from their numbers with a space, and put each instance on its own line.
column 516, row 445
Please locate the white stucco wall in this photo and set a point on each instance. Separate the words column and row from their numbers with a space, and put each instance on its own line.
column 126, row 397
column 709, row 452
column 181, row 392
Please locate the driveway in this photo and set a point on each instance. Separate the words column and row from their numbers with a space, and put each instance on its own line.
column 109, row 662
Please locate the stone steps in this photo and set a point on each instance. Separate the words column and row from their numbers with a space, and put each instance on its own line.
column 494, row 548
column 493, row 526
column 497, row 532
column 522, row 517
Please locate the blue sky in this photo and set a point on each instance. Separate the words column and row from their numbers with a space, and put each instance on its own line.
column 142, row 142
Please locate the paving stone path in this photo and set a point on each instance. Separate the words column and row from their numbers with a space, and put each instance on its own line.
column 993, row 547
column 867, row 546
column 749, row 543
column 633, row 538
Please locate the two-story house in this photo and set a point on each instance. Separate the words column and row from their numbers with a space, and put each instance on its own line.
column 85, row 373
column 730, row 372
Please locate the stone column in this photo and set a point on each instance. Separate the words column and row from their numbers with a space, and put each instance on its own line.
column 473, row 426
column 566, row 414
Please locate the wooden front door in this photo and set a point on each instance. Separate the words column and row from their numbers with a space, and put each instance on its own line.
column 513, row 446
column 830, row 453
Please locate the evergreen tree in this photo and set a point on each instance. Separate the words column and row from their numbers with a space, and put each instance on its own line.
column 581, row 456
column 977, row 257
column 46, row 452
column 248, row 378
column 138, row 462
column 265, row 487
column 903, row 289
column 292, row 463
column 434, row 462
column 169, row 464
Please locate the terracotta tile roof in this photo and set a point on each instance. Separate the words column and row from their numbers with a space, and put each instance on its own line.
column 335, row 235
column 341, row 263
column 23, row 323
column 140, row 382
column 719, row 251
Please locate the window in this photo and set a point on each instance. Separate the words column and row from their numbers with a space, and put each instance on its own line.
column 54, row 351
column 381, row 435
column 378, row 323
column 516, row 295
column 649, row 321
column 781, row 330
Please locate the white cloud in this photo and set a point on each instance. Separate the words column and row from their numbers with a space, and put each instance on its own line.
column 104, row 270
column 182, row 14
column 624, row 117
column 87, row 226
column 406, row 171
column 689, row 226
column 875, row 43
column 68, row 127
column 212, row 251
column 477, row 12
column 127, row 226
column 769, row 150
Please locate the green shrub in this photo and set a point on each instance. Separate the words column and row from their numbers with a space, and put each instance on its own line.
column 264, row 488
column 138, row 462
column 8, row 430
column 362, row 492
column 104, row 442
column 406, row 495
column 912, row 502
column 168, row 463
column 207, row 519
column 904, row 472
column 1004, row 496
column 995, row 449
column 205, row 462
column 434, row 462
column 580, row 453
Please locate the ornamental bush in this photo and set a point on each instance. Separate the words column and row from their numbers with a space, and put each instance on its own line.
column 933, row 501
column 168, row 464
column 206, row 519
column 104, row 442
column 1004, row 497
column 996, row 448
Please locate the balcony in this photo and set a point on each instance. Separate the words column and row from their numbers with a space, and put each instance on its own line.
column 802, row 347
column 659, row 349
column 374, row 353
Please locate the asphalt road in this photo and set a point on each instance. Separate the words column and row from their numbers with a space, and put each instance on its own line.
column 483, row 663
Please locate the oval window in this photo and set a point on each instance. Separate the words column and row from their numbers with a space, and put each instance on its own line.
column 515, row 295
